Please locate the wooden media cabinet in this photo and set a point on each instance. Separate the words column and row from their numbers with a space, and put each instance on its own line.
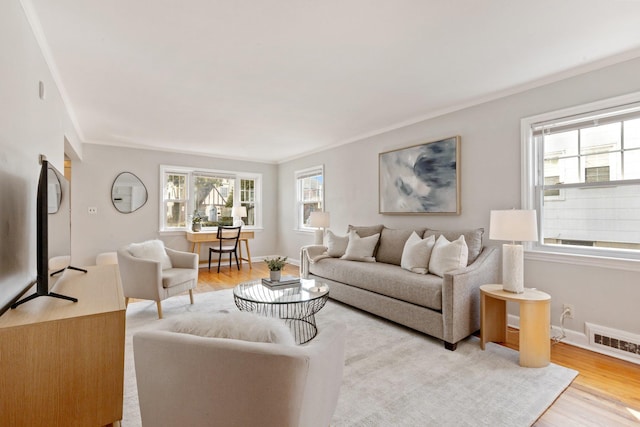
column 62, row 363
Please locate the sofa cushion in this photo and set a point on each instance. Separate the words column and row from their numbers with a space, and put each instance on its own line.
column 177, row 276
column 473, row 239
column 235, row 325
column 416, row 253
column 392, row 244
column 361, row 248
column 448, row 256
column 152, row 250
column 336, row 245
column 390, row 280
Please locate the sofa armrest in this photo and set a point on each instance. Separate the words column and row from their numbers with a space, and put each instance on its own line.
column 461, row 294
column 309, row 254
column 181, row 259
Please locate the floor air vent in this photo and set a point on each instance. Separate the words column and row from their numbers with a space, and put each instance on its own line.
column 612, row 339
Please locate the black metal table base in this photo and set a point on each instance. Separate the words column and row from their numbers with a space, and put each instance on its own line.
column 298, row 315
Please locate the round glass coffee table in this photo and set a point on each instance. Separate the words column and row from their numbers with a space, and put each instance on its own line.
column 296, row 305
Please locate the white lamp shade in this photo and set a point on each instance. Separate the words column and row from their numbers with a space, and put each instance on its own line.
column 239, row 211
column 319, row 219
column 514, row 225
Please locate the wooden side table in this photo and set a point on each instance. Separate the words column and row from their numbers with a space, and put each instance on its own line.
column 535, row 344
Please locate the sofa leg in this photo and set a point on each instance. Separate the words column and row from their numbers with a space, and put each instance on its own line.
column 450, row 346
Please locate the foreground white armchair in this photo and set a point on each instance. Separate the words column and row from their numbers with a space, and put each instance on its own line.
column 188, row 380
column 157, row 279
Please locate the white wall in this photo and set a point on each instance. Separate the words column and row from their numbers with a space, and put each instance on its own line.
column 29, row 127
column 490, row 171
column 109, row 229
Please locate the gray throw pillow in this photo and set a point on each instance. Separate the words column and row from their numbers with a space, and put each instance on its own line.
column 392, row 243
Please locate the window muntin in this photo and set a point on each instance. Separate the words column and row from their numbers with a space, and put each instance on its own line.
column 310, row 194
column 211, row 194
column 584, row 180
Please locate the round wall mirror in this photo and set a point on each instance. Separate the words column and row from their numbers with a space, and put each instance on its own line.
column 128, row 193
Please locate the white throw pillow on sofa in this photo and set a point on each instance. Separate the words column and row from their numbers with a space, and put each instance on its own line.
column 417, row 253
column 361, row 248
column 239, row 325
column 336, row 245
column 153, row 250
column 448, row 256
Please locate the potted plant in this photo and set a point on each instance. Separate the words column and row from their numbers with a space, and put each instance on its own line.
column 275, row 267
column 196, row 221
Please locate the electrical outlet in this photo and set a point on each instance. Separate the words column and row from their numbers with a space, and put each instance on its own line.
column 569, row 309
column 93, row 210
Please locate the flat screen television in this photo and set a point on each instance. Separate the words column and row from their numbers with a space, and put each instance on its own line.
column 53, row 234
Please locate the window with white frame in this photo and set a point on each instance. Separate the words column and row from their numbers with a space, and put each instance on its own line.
column 582, row 175
column 210, row 194
column 309, row 194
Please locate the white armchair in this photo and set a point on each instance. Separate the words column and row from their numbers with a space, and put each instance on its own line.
column 150, row 277
column 188, row 380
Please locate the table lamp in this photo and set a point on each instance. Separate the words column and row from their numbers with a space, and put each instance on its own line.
column 319, row 220
column 517, row 226
column 238, row 212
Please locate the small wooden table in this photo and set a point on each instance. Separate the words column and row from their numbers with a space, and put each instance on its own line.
column 535, row 344
column 198, row 237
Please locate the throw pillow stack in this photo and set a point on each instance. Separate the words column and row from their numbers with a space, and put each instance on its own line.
column 352, row 247
column 422, row 256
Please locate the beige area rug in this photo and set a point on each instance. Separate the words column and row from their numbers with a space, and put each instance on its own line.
column 394, row 376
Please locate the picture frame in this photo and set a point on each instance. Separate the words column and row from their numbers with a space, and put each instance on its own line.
column 421, row 179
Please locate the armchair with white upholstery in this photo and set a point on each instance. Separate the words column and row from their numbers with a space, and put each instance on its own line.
column 151, row 271
column 189, row 380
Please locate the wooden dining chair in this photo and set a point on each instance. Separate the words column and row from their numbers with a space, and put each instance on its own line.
column 228, row 238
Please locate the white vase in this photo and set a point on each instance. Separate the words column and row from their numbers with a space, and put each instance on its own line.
column 274, row 275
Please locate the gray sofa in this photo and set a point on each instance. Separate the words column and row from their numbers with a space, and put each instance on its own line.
column 447, row 308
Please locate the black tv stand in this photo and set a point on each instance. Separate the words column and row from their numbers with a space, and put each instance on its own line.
column 70, row 267
column 36, row 295
column 49, row 294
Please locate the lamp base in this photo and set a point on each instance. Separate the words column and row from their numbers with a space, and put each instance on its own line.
column 319, row 236
column 513, row 268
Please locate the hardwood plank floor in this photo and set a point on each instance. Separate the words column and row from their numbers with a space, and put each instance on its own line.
column 606, row 391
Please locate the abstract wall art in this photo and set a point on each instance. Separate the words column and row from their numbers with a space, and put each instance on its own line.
column 421, row 179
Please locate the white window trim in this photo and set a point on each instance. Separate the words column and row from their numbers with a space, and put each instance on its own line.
column 236, row 175
column 297, row 175
column 610, row 258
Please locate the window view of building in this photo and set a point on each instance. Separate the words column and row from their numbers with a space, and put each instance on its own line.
column 213, row 199
column 588, row 179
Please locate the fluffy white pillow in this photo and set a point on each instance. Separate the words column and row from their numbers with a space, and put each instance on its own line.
column 416, row 253
column 238, row 325
column 448, row 256
column 361, row 248
column 336, row 245
column 153, row 250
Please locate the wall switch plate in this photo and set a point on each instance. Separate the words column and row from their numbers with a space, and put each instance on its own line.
column 93, row 210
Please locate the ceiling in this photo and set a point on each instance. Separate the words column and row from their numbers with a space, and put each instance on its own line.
column 271, row 80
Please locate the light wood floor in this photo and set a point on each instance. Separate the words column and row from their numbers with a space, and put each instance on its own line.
column 605, row 393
